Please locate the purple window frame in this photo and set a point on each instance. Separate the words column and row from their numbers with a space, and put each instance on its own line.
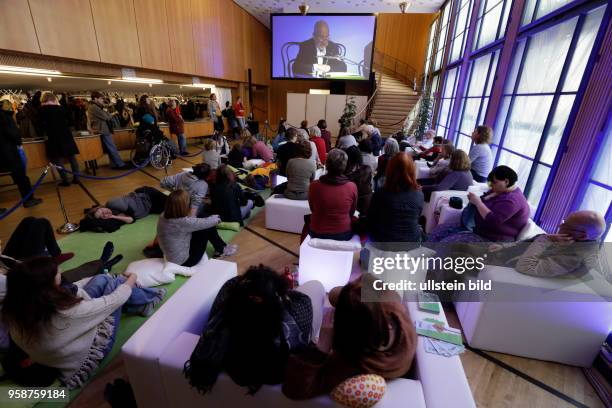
column 554, row 18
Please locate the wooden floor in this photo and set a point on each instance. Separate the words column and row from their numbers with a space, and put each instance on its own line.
column 493, row 385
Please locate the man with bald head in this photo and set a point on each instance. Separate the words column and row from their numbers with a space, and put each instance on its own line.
column 313, row 56
column 572, row 252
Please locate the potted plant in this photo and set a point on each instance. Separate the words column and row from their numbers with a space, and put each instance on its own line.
column 350, row 109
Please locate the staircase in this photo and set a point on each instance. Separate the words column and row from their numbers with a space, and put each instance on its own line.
column 394, row 100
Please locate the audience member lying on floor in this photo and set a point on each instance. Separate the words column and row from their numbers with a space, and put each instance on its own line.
column 255, row 322
column 183, row 237
column 194, row 183
column 68, row 328
column 499, row 215
column 228, row 199
column 432, row 153
column 368, row 338
column 332, row 200
column 572, row 251
column 457, row 178
column 125, row 209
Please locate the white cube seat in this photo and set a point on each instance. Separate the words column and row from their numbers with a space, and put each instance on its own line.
column 283, row 214
column 331, row 268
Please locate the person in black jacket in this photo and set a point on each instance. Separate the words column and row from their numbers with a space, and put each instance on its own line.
column 394, row 211
column 316, row 52
column 60, row 142
column 228, row 199
column 10, row 160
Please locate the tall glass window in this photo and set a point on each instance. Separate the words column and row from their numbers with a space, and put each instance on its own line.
column 447, row 101
column 461, row 27
column 430, row 48
column 445, row 21
column 598, row 194
column 541, row 87
column 492, row 22
column 476, row 98
column 534, row 9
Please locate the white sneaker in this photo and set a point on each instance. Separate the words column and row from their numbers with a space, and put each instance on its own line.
column 229, row 250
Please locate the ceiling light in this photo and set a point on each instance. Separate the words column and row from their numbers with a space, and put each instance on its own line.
column 139, row 80
column 203, row 86
column 49, row 79
column 7, row 69
column 404, row 5
column 109, row 82
column 304, row 8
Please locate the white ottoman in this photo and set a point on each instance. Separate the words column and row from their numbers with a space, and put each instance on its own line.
column 331, row 268
column 286, row 215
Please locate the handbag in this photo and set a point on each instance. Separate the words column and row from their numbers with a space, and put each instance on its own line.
column 468, row 217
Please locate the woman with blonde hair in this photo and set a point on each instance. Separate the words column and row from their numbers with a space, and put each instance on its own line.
column 480, row 153
column 210, row 155
column 60, row 143
column 183, row 238
column 458, row 178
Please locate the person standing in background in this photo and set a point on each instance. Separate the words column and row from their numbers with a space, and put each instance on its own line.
column 145, row 105
column 177, row 125
column 232, row 120
column 27, row 118
column 322, row 124
column 97, row 119
column 239, row 111
column 10, row 140
column 60, row 142
column 214, row 111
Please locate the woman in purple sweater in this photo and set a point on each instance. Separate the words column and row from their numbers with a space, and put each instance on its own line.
column 501, row 213
column 459, row 178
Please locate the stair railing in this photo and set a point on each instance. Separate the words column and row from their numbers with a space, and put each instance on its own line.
column 398, row 69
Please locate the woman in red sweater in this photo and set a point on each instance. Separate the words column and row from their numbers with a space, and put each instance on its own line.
column 239, row 111
column 315, row 137
column 332, row 200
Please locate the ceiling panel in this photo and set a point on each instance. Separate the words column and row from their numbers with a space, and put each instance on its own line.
column 261, row 9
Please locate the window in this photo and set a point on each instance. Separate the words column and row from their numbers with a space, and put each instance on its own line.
column 447, row 101
column 534, row 9
column 476, row 98
column 445, row 20
column 598, row 194
column 461, row 27
column 541, row 88
column 432, row 36
column 492, row 22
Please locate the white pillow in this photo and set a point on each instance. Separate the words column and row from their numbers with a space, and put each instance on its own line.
column 333, row 245
column 150, row 272
column 174, row 269
column 530, row 230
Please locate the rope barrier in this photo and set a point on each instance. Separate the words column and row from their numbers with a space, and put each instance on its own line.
column 27, row 197
column 87, row 176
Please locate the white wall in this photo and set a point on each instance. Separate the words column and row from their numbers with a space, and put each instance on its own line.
column 313, row 107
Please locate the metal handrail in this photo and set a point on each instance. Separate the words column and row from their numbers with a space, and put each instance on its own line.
column 399, row 69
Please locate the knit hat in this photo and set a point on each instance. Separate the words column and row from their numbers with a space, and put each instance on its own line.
column 148, row 119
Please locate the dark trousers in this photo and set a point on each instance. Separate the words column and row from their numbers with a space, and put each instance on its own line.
column 199, row 242
column 158, row 199
column 18, row 173
column 478, row 178
column 74, row 165
column 32, row 237
column 218, row 125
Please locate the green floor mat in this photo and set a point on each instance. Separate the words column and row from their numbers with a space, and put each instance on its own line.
column 129, row 241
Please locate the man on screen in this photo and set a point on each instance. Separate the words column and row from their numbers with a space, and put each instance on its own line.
column 314, row 53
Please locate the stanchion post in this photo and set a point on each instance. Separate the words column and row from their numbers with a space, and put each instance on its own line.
column 68, row 227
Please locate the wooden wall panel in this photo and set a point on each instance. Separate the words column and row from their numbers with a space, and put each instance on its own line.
column 260, row 53
column 152, row 25
column 115, row 25
column 180, row 30
column 18, row 31
column 203, row 37
column 65, row 28
column 404, row 37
